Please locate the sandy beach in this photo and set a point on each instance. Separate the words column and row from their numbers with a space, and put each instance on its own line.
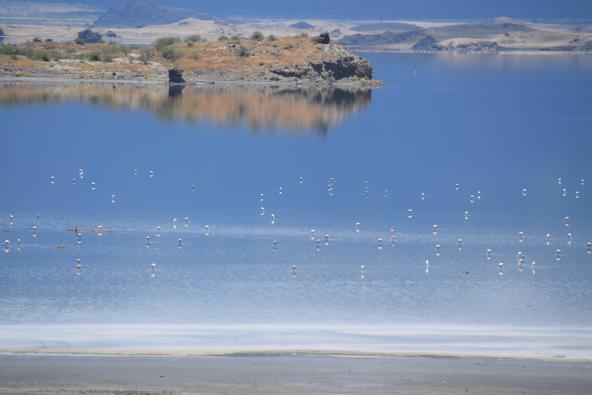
column 286, row 374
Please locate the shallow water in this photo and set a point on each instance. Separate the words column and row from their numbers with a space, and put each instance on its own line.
column 493, row 124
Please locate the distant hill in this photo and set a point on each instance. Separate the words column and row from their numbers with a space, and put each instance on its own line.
column 384, row 26
column 364, row 40
column 138, row 13
column 479, row 30
column 301, row 25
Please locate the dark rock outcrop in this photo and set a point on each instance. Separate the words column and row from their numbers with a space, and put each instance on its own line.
column 176, row 76
column 88, row 36
column 428, row 43
column 301, row 25
column 111, row 34
column 341, row 68
column 479, row 46
column 345, row 67
column 294, row 71
column 1, row 35
column 322, row 38
column 382, row 38
column 137, row 13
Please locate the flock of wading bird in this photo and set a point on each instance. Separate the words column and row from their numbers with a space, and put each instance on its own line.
column 317, row 240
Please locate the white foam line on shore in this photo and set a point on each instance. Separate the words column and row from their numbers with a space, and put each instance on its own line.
column 573, row 343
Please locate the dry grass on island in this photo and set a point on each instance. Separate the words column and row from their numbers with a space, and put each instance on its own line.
column 256, row 59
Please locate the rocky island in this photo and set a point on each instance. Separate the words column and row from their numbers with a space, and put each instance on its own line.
column 257, row 60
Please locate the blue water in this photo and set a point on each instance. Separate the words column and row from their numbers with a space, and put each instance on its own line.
column 493, row 124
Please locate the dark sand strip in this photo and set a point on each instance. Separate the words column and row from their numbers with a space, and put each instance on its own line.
column 301, row 374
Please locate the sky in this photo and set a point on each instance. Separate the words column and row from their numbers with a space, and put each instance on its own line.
column 376, row 9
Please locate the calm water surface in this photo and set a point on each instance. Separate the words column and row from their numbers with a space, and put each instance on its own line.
column 492, row 124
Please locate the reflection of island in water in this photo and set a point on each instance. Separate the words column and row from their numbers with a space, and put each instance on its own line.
column 291, row 108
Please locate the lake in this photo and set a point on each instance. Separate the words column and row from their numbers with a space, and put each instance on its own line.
column 483, row 146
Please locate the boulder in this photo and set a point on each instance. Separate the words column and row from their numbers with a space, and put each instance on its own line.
column 88, row 36
column 176, row 76
column 322, row 38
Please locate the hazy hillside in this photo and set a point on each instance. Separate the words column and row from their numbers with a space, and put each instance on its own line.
column 376, row 9
column 137, row 13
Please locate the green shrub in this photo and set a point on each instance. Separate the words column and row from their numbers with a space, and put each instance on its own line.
column 243, row 51
column 9, row 49
column 257, row 36
column 194, row 38
column 107, row 58
column 94, row 57
column 271, row 37
column 145, row 55
column 235, row 38
column 80, row 41
column 41, row 55
column 223, row 38
column 163, row 42
column 36, row 40
column 190, row 44
column 170, row 54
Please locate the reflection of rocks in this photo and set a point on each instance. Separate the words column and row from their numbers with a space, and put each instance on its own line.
column 288, row 108
column 176, row 90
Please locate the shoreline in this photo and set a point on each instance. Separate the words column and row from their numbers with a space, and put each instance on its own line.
column 284, row 375
column 271, row 353
column 521, row 52
column 565, row 344
column 223, row 83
